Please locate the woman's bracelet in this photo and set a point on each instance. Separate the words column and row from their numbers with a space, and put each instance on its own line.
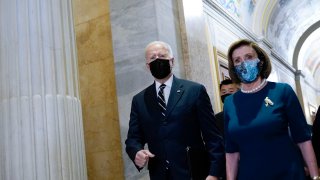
column 316, row 178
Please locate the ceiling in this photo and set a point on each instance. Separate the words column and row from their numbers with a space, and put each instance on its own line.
column 293, row 30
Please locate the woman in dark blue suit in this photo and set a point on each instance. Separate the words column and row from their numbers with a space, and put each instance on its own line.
column 257, row 118
column 177, row 124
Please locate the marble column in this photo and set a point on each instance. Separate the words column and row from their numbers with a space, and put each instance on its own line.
column 197, row 51
column 40, row 115
column 98, row 89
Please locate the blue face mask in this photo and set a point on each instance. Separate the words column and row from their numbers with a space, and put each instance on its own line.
column 248, row 70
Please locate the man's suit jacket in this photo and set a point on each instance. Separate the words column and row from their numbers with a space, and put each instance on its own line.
column 189, row 124
column 220, row 122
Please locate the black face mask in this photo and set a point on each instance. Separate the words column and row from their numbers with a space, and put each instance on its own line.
column 160, row 68
column 223, row 97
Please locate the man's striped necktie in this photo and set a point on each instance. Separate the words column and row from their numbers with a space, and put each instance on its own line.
column 161, row 100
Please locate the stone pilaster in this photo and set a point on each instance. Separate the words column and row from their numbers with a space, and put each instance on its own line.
column 197, row 51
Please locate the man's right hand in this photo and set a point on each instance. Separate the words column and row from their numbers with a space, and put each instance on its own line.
column 142, row 157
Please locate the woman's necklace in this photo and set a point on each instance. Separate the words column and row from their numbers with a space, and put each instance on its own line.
column 261, row 85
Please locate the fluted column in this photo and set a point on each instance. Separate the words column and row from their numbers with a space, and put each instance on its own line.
column 41, row 130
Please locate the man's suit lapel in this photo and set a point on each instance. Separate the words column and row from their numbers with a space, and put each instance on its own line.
column 150, row 99
column 176, row 93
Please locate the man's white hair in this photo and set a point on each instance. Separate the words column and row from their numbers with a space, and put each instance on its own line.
column 164, row 44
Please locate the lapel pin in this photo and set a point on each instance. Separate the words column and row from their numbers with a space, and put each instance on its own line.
column 268, row 102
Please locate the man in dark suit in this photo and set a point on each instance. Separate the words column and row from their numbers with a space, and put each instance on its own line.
column 227, row 87
column 175, row 118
